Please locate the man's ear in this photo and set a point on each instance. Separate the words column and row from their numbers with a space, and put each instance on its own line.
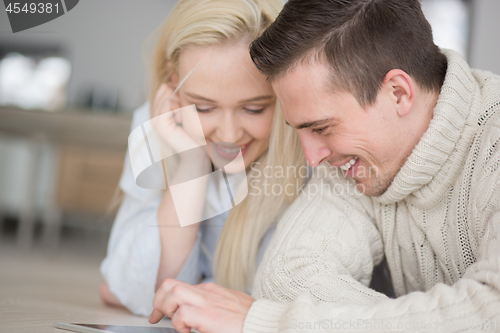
column 402, row 90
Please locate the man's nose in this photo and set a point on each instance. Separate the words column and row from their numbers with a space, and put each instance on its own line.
column 315, row 150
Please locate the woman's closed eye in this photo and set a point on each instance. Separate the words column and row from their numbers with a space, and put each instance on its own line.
column 254, row 110
column 204, row 108
column 250, row 110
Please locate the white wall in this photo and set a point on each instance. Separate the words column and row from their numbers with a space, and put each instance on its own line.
column 484, row 50
column 103, row 39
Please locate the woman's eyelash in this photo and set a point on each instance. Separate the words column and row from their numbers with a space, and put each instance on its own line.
column 203, row 110
column 255, row 111
column 252, row 111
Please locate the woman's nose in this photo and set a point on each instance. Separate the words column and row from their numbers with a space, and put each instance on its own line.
column 229, row 128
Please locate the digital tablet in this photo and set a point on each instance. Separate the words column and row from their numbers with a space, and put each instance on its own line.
column 94, row 328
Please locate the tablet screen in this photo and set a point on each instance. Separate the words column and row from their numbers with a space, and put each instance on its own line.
column 113, row 328
column 131, row 329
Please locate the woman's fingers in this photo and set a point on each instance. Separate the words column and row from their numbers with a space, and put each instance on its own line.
column 208, row 307
column 166, row 119
column 170, row 296
column 185, row 318
column 161, row 103
column 162, row 292
column 155, row 316
column 160, row 93
column 165, row 100
column 159, row 298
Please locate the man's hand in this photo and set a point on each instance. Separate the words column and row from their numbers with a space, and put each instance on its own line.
column 207, row 307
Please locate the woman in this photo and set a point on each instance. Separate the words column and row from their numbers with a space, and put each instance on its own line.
column 202, row 58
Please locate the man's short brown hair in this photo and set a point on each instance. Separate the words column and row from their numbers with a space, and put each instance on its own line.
column 359, row 40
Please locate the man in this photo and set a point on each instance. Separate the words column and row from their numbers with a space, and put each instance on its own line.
column 418, row 132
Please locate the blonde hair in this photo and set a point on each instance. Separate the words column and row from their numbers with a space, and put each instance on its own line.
column 210, row 22
column 247, row 223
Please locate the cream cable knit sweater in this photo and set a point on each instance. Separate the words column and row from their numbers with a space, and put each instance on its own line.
column 438, row 225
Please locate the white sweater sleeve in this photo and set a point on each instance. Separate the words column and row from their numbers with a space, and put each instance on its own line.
column 325, row 245
column 471, row 304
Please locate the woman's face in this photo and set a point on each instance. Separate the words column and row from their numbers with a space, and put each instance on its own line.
column 234, row 101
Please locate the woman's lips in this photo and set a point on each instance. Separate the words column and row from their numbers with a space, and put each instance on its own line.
column 229, row 150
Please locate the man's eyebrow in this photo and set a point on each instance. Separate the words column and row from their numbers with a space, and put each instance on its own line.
column 253, row 99
column 315, row 123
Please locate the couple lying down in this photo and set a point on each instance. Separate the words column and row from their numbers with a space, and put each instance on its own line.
column 411, row 135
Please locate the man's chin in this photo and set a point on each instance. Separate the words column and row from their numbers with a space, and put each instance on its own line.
column 368, row 188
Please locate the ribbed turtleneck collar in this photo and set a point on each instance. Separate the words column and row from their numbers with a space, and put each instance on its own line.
column 435, row 163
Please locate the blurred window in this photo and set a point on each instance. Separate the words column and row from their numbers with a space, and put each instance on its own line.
column 33, row 82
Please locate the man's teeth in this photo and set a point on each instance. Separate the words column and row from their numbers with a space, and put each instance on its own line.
column 349, row 164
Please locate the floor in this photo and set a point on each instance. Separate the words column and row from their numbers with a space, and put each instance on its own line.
column 39, row 287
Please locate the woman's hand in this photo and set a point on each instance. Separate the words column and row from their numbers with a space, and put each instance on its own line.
column 209, row 308
column 166, row 119
column 177, row 242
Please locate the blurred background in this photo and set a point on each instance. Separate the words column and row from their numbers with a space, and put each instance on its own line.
column 67, row 92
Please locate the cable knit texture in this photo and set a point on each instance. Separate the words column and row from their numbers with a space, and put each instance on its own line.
column 438, row 225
